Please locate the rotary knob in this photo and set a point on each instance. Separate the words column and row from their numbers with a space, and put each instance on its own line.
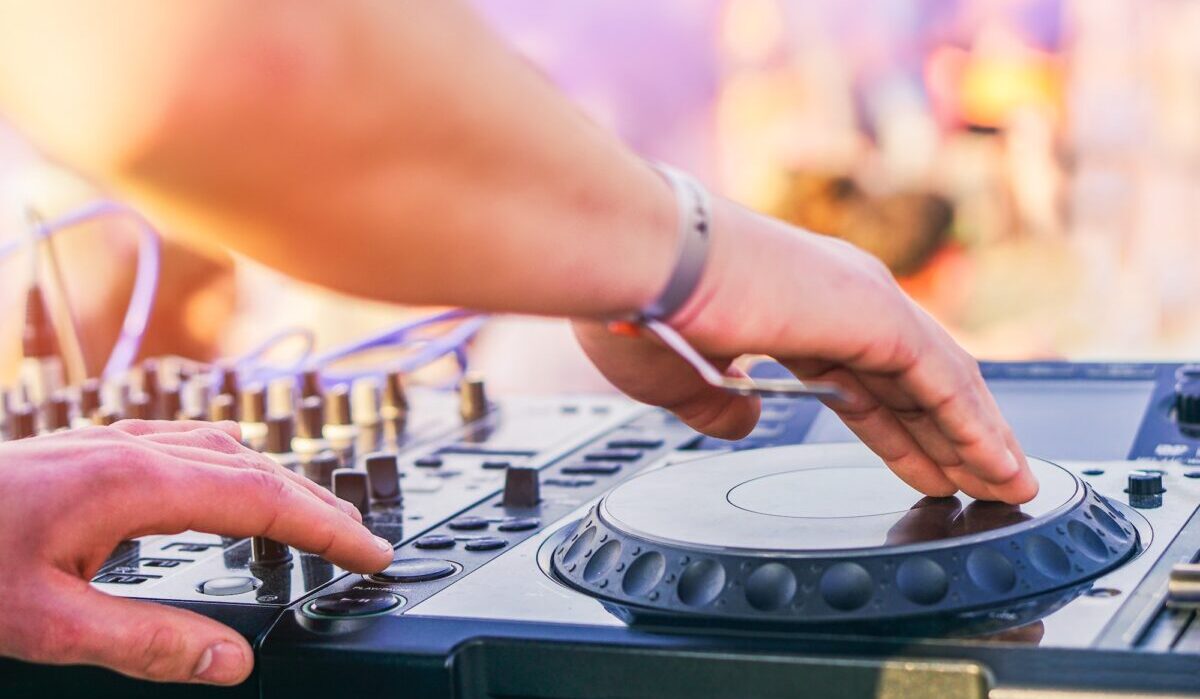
column 1187, row 398
column 1145, row 489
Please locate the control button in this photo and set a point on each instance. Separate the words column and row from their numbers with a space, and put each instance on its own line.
column 614, row 455
column 472, row 398
column 160, row 562
column 434, row 541
column 337, row 405
column 1183, row 585
column 353, row 603
column 468, row 523
column 222, row 407
column 230, row 585
column 123, row 579
column 411, row 570
column 264, row 551
column 591, row 469
column 351, row 486
column 384, row 476
column 188, row 547
column 395, row 401
column 429, row 461
column 56, row 413
column 635, row 443
column 1145, row 489
column 570, row 482
column 496, row 464
column 521, row 487
column 485, row 543
column 519, row 524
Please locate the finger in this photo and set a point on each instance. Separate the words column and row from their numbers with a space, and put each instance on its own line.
column 208, row 446
column 928, row 437
column 139, row 428
column 244, row 502
column 878, row 429
column 139, row 639
column 944, row 381
column 651, row 373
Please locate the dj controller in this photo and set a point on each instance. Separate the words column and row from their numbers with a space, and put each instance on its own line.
column 593, row 547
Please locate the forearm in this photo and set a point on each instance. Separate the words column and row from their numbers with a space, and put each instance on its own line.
column 395, row 150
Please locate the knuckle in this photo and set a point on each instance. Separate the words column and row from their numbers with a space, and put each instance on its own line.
column 134, row 427
column 269, row 487
column 159, row 653
column 216, row 440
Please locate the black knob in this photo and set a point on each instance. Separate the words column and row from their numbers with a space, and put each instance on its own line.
column 264, row 551
column 170, row 403
column 1187, row 397
column 521, row 488
column 384, row 476
column 351, row 485
column 89, row 397
column 1145, row 489
column 279, row 434
column 319, row 469
column 311, row 419
column 56, row 413
column 22, row 422
column 310, row 383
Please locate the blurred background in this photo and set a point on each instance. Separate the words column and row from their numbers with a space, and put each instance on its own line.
column 1029, row 169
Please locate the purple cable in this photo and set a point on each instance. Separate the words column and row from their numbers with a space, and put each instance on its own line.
column 145, row 283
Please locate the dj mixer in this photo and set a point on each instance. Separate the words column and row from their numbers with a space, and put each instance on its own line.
column 589, row 546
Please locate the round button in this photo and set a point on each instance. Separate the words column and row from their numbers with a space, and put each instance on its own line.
column 410, row 570
column 230, row 585
column 485, row 543
column 468, row 523
column 434, row 541
column 353, row 603
column 519, row 524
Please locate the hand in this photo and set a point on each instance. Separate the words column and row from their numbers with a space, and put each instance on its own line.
column 68, row 499
column 829, row 312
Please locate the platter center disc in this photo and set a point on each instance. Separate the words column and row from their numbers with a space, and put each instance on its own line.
column 821, row 493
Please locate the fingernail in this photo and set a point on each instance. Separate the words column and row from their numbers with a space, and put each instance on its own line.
column 383, row 543
column 222, row 663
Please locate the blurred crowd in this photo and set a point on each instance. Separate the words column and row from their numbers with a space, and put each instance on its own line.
column 1029, row 169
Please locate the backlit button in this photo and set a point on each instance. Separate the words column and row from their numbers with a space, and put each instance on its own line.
column 434, row 541
column 231, row 585
column 614, row 455
column 410, row 570
column 353, row 603
column 591, row 469
column 519, row 524
column 635, row 443
column 485, row 543
column 469, row 523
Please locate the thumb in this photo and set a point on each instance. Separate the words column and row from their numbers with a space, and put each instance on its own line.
column 143, row 639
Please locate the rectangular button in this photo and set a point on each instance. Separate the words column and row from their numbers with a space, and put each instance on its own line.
column 595, row 468
column 635, row 443
column 123, row 579
column 614, row 455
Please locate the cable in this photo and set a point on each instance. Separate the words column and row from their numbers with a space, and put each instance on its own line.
column 145, row 283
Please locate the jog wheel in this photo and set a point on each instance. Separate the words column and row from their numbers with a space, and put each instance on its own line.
column 826, row 534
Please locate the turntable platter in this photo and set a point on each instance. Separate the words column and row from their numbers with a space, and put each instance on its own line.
column 821, row 533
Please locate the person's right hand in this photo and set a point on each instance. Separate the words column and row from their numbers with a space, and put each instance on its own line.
column 829, row 312
column 68, row 499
